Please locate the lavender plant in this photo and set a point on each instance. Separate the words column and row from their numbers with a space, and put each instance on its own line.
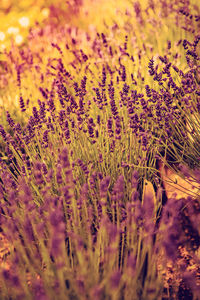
column 82, row 200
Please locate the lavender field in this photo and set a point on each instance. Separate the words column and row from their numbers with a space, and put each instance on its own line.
column 99, row 149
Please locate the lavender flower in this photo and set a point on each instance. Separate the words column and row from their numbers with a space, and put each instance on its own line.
column 115, row 279
column 118, row 189
column 104, row 184
column 44, row 93
column 151, row 67
column 64, row 158
column 22, row 105
column 56, row 249
column 10, row 120
column 45, row 138
column 3, row 133
column 59, row 174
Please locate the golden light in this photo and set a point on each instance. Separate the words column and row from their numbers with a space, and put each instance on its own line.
column 2, row 36
column 45, row 12
column 24, row 21
column 13, row 30
column 2, row 47
column 19, row 39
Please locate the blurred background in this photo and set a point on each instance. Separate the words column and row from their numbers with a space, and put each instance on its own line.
column 17, row 17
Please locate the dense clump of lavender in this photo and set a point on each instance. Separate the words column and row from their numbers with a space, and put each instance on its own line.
column 73, row 196
column 56, row 233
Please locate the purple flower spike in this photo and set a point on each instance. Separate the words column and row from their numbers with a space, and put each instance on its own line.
column 151, row 67
column 96, row 293
column 38, row 177
column 10, row 120
column 115, row 279
column 56, row 246
column 55, row 218
column 22, row 105
column 118, row 189
column 104, row 184
column 3, row 133
column 45, row 138
column 64, row 158
column 59, row 174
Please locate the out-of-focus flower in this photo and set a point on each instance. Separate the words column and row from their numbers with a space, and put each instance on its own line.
column 104, row 186
column 96, row 292
column 115, row 279
column 13, row 30
column 2, row 47
column 118, row 189
column 24, row 21
column 2, row 36
column 19, row 39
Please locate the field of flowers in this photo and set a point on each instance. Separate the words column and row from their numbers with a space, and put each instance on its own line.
column 99, row 149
